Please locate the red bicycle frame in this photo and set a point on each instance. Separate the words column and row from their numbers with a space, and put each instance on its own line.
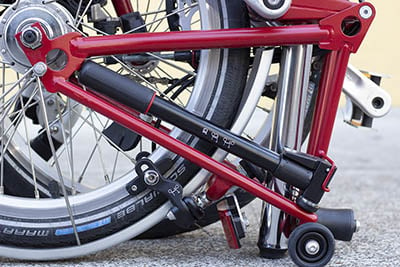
column 326, row 31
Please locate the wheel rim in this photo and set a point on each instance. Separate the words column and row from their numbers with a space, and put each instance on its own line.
column 304, row 241
column 53, row 208
column 19, row 151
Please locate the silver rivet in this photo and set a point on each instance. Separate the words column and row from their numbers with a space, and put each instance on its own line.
column 3, row 51
column 54, row 129
column 312, row 247
column 151, row 177
column 366, row 12
column 134, row 188
column 40, row 69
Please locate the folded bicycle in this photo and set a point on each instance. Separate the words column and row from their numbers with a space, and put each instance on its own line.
column 127, row 118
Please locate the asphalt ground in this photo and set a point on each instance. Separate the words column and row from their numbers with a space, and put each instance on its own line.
column 367, row 180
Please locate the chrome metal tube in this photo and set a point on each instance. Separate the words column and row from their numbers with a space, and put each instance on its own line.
column 287, row 131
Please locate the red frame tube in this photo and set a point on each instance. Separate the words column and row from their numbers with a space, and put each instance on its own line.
column 330, row 89
column 195, row 40
column 327, row 34
column 122, row 7
column 128, row 120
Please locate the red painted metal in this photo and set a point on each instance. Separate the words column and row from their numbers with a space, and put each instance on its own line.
column 39, row 55
column 217, row 187
column 229, row 229
column 328, row 35
column 119, row 115
column 194, row 40
column 339, row 39
column 122, row 7
column 328, row 178
column 328, row 100
column 308, row 10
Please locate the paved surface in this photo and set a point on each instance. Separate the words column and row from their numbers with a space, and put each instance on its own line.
column 368, row 180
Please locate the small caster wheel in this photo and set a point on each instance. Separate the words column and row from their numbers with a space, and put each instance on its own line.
column 311, row 245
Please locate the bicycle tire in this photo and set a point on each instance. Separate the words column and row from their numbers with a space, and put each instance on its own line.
column 42, row 230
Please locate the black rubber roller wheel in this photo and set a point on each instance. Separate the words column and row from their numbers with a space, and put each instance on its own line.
column 311, row 245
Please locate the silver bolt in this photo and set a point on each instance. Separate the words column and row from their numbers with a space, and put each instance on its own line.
column 295, row 193
column 312, row 247
column 328, row 170
column 358, row 226
column 3, row 51
column 366, row 12
column 40, row 69
column 171, row 216
column 134, row 188
column 50, row 102
column 146, row 117
column 4, row 21
column 151, row 177
column 54, row 129
column 31, row 37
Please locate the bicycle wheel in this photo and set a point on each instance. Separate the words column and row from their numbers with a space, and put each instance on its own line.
column 91, row 209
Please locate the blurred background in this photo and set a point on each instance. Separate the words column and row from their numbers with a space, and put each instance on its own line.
column 378, row 52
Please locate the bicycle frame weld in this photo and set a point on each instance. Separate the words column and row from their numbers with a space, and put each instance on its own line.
column 327, row 34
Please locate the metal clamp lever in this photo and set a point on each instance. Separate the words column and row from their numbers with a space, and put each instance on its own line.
column 184, row 212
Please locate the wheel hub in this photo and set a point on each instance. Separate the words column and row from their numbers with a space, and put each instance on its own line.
column 52, row 16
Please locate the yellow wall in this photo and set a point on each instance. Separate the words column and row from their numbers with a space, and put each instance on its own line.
column 380, row 51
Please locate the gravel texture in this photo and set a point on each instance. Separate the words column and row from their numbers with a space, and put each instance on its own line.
column 367, row 180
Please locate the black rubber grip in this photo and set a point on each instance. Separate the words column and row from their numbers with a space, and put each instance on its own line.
column 115, row 86
column 341, row 222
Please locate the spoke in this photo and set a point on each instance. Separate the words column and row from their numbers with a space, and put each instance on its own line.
column 155, row 21
column 36, row 191
column 106, row 177
column 77, row 23
column 85, row 121
column 3, row 75
column 194, row 22
column 64, row 137
column 5, row 63
column 115, row 166
column 17, row 83
column 180, row 102
column 16, row 120
column 58, row 167
column 156, row 16
column 71, row 149
column 78, row 10
column 14, row 113
column 105, row 137
column 171, row 64
column 165, row 73
column 125, row 66
column 14, row 99
column 80, row 179
column 147, row 13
